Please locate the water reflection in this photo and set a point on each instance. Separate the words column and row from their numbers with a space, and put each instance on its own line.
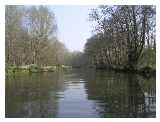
column 79, row 93
column 33, row 95
column 121, row 95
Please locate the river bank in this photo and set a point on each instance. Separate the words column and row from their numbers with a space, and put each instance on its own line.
column 34, row 69
column 145, row 71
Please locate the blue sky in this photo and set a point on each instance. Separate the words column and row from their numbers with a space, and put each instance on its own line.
column 73, row 25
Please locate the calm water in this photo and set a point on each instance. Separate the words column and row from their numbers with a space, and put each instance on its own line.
column 80, row 93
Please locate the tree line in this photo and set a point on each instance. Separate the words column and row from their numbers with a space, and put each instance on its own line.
column 124, row 37
column 31, row 37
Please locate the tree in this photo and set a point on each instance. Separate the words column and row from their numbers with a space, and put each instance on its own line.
column 121, row 33
column 41, row 27
column 13, row 32
column 31, row 37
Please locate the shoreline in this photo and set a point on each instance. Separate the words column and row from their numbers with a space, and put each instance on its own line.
column 145, row 71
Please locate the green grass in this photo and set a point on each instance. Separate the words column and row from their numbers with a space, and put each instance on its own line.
column 33, row 68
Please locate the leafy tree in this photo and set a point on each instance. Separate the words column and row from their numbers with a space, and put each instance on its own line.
column 121, row 34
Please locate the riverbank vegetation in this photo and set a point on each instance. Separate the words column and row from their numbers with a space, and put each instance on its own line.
column 31, row 37
column 124, row 39
column 31, row 40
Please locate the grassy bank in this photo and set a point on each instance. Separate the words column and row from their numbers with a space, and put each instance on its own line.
column 146, row 71
column 11, row 70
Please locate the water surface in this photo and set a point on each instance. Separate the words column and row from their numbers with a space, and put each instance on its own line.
column 80, row 93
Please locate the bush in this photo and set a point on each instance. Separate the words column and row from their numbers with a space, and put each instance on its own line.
column 34, row 68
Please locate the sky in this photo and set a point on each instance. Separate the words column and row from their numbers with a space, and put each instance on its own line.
column 74, row 28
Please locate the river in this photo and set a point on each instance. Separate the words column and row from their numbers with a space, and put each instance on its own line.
column 80, row 93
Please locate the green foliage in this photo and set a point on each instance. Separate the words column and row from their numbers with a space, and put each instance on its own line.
column 124, row 37
column 34, row 68
column 12, row 70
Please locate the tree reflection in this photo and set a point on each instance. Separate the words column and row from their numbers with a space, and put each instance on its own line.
column 118, row 95
column 104, row 94
column 33, row 95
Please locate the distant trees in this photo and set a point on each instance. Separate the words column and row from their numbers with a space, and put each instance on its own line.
column 122, row 33
column 76, row 59
column 31, row 37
